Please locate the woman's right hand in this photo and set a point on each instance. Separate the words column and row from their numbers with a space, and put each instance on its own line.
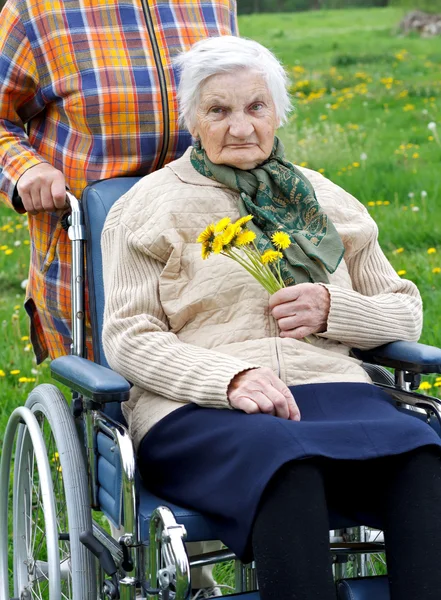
column 261, row 391
column 42, row 188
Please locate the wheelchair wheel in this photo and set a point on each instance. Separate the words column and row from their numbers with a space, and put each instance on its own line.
column 67, row 488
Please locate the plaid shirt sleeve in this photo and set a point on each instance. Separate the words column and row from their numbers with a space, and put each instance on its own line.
column 20, row 100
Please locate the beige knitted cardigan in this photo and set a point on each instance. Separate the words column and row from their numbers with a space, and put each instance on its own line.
column 180, row 328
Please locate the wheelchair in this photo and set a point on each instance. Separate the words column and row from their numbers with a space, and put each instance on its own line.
column 74, row 462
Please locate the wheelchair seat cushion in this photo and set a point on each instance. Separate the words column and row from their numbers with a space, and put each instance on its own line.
column 219, row 461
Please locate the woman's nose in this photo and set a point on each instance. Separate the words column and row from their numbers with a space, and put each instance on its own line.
column 240, row 126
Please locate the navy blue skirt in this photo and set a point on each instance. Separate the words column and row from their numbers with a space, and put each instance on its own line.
column 219, row 462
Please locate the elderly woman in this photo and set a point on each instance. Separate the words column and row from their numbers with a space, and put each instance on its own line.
column 232, row 412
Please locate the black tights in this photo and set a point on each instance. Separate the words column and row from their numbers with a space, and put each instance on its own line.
column 290, row 536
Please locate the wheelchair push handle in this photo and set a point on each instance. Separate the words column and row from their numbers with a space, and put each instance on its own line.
column 71, row 202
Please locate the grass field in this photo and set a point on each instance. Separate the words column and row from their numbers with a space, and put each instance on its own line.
column 367, row 115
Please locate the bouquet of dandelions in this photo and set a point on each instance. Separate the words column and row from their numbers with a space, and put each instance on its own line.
column 235, row 241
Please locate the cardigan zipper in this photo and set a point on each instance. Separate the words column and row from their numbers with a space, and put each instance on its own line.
column 162, row 83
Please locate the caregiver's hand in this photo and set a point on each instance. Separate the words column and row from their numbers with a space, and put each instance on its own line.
column 42, row 188
column 301, row 310
column 261, row 391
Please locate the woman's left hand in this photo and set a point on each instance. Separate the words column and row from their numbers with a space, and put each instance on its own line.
column 301, row 310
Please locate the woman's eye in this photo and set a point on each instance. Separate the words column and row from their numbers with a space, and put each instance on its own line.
column 217, row 110
column 257, row 106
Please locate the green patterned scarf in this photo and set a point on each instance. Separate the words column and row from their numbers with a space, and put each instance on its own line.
column 280, row 198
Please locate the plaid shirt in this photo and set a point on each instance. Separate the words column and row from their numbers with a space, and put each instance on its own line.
column 94, row 82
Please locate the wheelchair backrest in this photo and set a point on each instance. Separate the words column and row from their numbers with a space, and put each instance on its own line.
column 97, row 200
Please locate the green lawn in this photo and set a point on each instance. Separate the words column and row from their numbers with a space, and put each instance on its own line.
column 367, row 114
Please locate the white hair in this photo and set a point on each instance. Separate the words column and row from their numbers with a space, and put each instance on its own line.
column 226, row 54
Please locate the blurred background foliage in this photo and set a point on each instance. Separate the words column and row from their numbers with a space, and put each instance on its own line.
column 259, row 6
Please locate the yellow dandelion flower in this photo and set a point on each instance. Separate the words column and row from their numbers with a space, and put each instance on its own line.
column 17, row 307
column 14, row 372
column 356, row 165
column 206, row 250
column 303, row 164
column 218, row 244
column 4, row 247
column 241, row 222
column 425, row 385
column 321, row 170
column 222, row 224
column 398, row 250
column 9, row 251
column 430, row 138
column 271, row 256
column 431, row 250
column 229, row 233
column 415, row 155
column 386, row 203
column 2, row 373
column 26, row 242
column 323, row 117
column 207, row 234
column 371, row 203
column 401, row 272
column 245, row 237
column 437, row 384
column 379, row 202
column 436, row 270
column 281, row 240
column 408, row 107
column 24, row 338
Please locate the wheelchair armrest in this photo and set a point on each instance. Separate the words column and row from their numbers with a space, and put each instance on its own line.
column 89, row 379
column 405, row 356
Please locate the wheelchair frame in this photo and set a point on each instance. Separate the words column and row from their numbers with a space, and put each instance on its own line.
column 162, row 569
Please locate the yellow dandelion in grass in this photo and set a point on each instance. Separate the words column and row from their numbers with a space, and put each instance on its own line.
column 415, row 155
column 24, row 338
column 371, row 203
column 14, row 372
column 271, row 256
column 386, row 203
column 436, row 270
column 207, row 235
column 355, row 165
column 437, row 384
column 425, row 385
column 2, row 373
column 243, row 220
column 4, row 247
column 222, row 224
column 245, row 237
column 17, row 307
column 401, row 272
column 431, row 251
column 281, row 240
column 26, row 379
column 408, row 107
column 9, row 251
column 398, row 250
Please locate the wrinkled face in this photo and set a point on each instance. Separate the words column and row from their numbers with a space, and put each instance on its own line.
column 236, row 119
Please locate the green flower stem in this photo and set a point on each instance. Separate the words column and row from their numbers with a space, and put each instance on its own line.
column 255, row 271
column 268, row 274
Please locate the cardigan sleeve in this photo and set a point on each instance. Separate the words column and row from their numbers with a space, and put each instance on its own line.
column 381, row 308
column 136, row 336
